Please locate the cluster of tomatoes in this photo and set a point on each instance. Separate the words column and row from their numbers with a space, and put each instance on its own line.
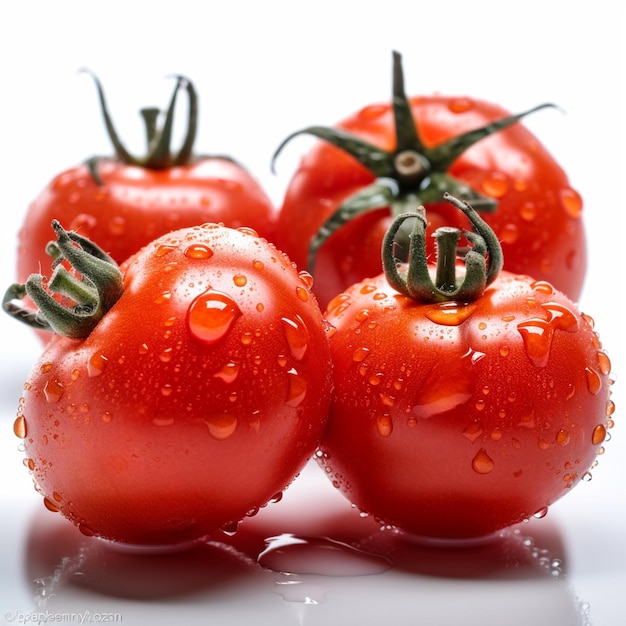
column 201, row 346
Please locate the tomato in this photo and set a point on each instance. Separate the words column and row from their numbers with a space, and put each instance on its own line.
column 191, row 402
column 124, row 202
column 336, row 209
column 460, row 410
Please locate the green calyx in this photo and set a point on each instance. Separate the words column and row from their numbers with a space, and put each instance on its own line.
column 92, row 294
column 483, row 260
column 159, row 154
column 407, row 177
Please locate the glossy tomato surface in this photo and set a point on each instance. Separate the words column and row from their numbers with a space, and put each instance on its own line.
column 456, row 420
column 132, row 205
column 538, row 214
column 195, row 400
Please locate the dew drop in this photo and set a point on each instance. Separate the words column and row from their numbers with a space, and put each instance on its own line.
column 297, row 388
column 19, row 427
column 230, row 529
column 228, row 373
column 306, row 278
column 211, row 315
column 542, row 512
column 537, row 337
column 473, row 432
column 482, row 463
column 164, row 249
column 86, row 530
column 571, row 202
column 198, row 251
column 297, row 336
column 51, row 506
column 302, row 293
column 221, row 425
column 528, row 211
column 258, row 265
column 367, row 288
column 117, row 225
column 598, row 435
column 246, row 230
column 543, row 286
column 594, row 382
column 240, row 280
column 449, row 313
column 495, row 185
column 163, row 297
column 53, row 391
column 384, row 425
column 460, row 104
column 96, row 364
column 604, row 363
column 360, row 354
column 509, row 234
column 562, row 437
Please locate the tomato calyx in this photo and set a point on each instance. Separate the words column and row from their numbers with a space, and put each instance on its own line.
column 92, row 288
column 159, row 154
column 410, row 175
column 483, row 259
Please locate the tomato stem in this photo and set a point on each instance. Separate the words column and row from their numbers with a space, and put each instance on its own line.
column 159, row 154
column 92, row 289
column 419, row 172
column 483, row 261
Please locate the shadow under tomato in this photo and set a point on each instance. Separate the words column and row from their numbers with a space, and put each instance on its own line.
column 60, row 560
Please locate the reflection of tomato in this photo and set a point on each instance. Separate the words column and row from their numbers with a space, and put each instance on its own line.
column 537, row 217
column 455, row 418
column 123, row 202
column 195, row 399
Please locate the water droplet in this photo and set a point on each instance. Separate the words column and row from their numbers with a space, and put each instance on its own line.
column 504, row 350
column 306, row 278
column 221, row 425
column 319, row 555
column 384, row 425
column 246, row 230
column 542, row 512
column 166, row 390
column 211, row 315
column 240, row 280
column 302, row 293
column 163, row 297
column 482, row 463
column 297, row 388
column 258, row 265
column 230, row 529
column 562, row 437
column 604, row 363
column 598, row 435
column 51, row 506
column 495, row 185
column 571, row 202
column 360, row 354
column 164, row 249
column 297, row 336
column 198, row 251
column 53, row 391
column 86, row 530
column 460, row 104
column 96, row 364
column 509, row 234
column 528, row 211
column 594, row 382
column 19, row 427
column 449, row 313
column 228, row 373
column 473, row 432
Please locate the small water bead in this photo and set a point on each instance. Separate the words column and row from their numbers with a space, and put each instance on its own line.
column 19, row 427
column 482, row 463
column 473, row 432
column 495, row 185
column 297, row 336
column 96, row 364
column 258, row 265
column 302, row 293
column 460, row 104
column 221, row 425
column 246, row 230
column 117, row 225
column 211, row 315
column 164, row 249
column 509, row 234
column 198, row 251
column 228, row 373
column 53, row 391
column 528, row 211
column 571, row 202
column 449, row 313
column 307, row 279
column 360, row 354
column 163, row 297
column 541, row 513
column 594, row 382
column 296, row 390
column 240, row 280
column 598, row 435
column 562, row 437
column 604, row 363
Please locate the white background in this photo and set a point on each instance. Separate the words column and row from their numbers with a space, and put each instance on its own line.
column 265, row 69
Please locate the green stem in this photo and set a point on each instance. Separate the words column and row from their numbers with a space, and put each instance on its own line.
column 93, row 294
column 483, row 261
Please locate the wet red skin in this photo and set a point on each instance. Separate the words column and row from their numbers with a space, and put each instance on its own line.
column 538, row 219
column 451, row 429
column 135, row 205
column 131, row 432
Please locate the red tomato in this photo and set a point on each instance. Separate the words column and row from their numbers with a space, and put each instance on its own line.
column 456, row 418
column 537, row 214
column 196, row 398
column 123, row 202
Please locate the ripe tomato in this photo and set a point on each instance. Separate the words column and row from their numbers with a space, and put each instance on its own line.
column 337, row 206
column 453, row 417
column 123, row 202
column 194, row 400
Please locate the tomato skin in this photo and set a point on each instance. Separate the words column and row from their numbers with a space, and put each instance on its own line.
column 134, row 205
column 197, row 398
column 459, row 427
column 538, row 218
